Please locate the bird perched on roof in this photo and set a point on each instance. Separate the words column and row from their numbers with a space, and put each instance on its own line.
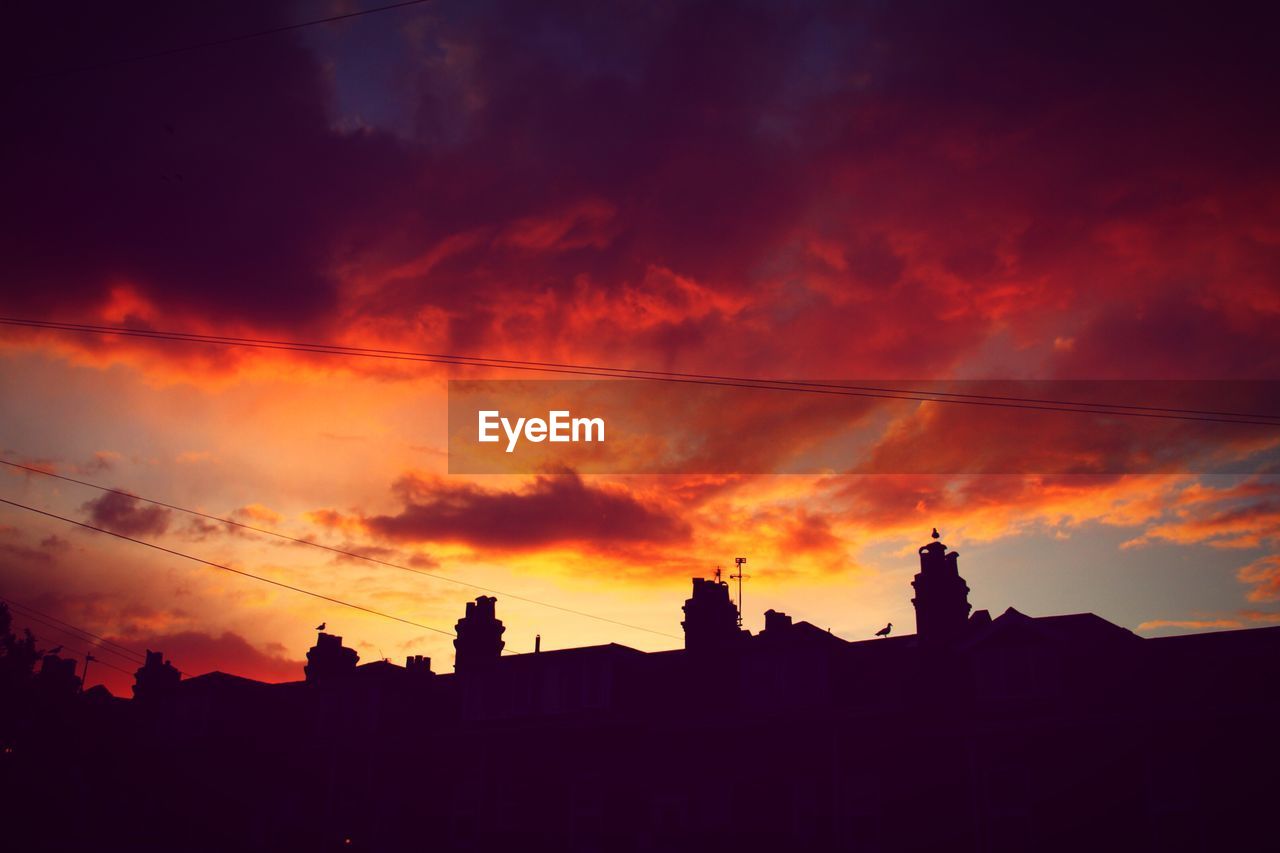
column 320, row 627
column 935, row 533
column 884, row 632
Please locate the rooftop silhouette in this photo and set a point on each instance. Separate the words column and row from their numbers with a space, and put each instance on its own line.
column 975, row 733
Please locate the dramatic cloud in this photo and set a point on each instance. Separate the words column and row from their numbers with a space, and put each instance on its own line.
column 819, row 188
column 225, row 204
column 810, row 532
column 553, row 510
column 1246, row 515
column 127, row 515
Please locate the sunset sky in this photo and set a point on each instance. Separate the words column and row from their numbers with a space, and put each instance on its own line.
column 875, row 191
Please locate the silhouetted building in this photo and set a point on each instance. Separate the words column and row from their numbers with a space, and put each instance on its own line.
column 329, row 659
column 58, row 675
column 976, row 735
column 775, row 623
column 710, row 617
column 942, row 596
column 157, row 677
column 479, row 641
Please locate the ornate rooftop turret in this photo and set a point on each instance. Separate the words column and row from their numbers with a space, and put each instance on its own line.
column 710, row 617
column 942, row 596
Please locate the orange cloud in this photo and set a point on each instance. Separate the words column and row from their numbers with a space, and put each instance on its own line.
column 1195, row 624
column 1246, row 515
column 257, row 514
column 1264, row 575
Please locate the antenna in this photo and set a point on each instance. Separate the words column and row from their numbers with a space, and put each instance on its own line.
column 88, row 656
column 739, row 576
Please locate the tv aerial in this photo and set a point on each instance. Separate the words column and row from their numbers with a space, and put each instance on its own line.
column 739, row 576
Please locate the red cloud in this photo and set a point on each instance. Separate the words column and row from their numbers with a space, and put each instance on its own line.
column 810, row 531
column 837, row 190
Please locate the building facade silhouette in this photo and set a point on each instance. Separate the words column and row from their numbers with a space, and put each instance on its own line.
column 974, row 735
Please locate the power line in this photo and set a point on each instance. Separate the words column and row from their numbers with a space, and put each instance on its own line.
column 26, row 612
column 53, row 621
column 83, row 653
column 74, row 637
column 101, row 639
column 341, row 551
column 108, row 664
column 124, row 60
column 598, row 371
column 226, row 568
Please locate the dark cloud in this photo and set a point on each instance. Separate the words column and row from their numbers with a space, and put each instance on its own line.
column 127, row 515
column 995, row 169
column 1193, row 334
column 198, row 530
column 209, row 182
column 559, row 509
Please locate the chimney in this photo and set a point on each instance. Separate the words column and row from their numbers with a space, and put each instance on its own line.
column 418, row 665
column 328, row 659
column 776, row 622
column 157, row 677
column 479, row 643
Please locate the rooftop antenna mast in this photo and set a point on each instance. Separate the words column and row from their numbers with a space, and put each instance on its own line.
column 739, row 576
column 84, row 679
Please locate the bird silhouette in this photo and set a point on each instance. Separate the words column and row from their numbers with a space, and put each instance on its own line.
column 884, row 632
column 320, row 627
column 935, row 533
